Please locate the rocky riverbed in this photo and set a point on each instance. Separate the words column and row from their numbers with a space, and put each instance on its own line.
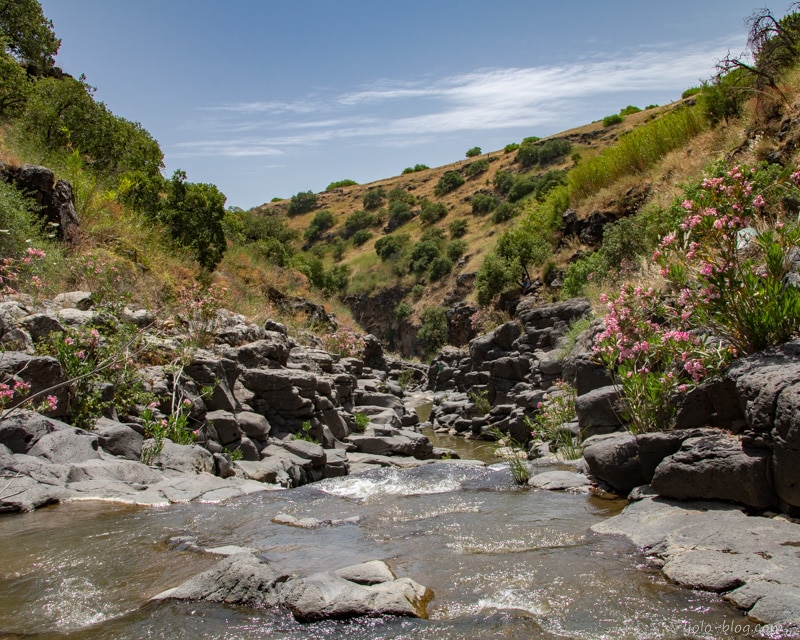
column 712, row 502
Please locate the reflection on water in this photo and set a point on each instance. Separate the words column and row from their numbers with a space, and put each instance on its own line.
column 503, row 563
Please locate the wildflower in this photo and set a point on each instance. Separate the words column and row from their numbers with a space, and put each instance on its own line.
column 52, row 403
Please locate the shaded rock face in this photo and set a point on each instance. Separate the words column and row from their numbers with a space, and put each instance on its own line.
column 768, row 386
column 55, row 198
column 715, row 466
column 511, row 368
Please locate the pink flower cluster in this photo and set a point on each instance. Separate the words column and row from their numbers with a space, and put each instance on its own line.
column 345, row 343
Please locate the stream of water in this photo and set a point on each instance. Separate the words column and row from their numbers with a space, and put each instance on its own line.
column 503, row 562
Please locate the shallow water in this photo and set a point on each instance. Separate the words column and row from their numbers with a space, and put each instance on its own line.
column 503, row 562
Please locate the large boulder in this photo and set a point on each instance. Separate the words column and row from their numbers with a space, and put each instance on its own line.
column 715, row 466
column 624, row 461
column 239, row 579
column 599, row 411
column 66, row 446
column 365, row 590
column 55, row 199
column 21, row 430
column 119, row 439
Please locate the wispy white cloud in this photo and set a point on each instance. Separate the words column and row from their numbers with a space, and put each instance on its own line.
column 486, row 99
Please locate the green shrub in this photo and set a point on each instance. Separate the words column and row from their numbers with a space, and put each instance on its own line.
column 626, row 111
column 360, row 237
column 302, row 202
column 402, row 311
column 322, row 221
column 473, row 152
column 391, row 245
column 505, row 211
column 476, row 168
column 722, row 99
column 361, row 422
column 440, row 267
column 692, row 91
column 400, row 212
column 511, row 147
column 415, row 168
column 431, row 212
column 359, row 220
column 456, row 249
column 508, row 264
column 613, row 119
column 373, row 198
column 483, row 204
column 14, row 87
column 401, row 195
column 450, row 181
column 543, row 153
column 417, row 291
column 18, row 222
column 423, row 254
column 340, row 183
column 458, row 228
column 503, row 181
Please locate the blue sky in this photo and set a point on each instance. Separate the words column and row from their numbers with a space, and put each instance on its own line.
column 266, row 98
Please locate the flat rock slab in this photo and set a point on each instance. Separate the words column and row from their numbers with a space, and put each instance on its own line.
column 708, row 545
column 560, row 481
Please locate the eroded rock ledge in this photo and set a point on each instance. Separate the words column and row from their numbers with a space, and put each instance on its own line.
column 753, row 561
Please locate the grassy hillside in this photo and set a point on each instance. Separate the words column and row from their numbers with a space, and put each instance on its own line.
column 569, row 214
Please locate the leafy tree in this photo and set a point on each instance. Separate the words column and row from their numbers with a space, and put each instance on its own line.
column 14, row 87
column 415, row 168
column 433, row 331
column 517, row 250
column 504, row 211
column 450, row 181
column 27, row 34
column 193, row 212
column 473, row 152
column 302, row 202
column 456, row 249
column 62, row 115
column 401, row 195
column 532, row 151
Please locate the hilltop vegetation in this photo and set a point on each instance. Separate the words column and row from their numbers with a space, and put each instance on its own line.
column 564, row 215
